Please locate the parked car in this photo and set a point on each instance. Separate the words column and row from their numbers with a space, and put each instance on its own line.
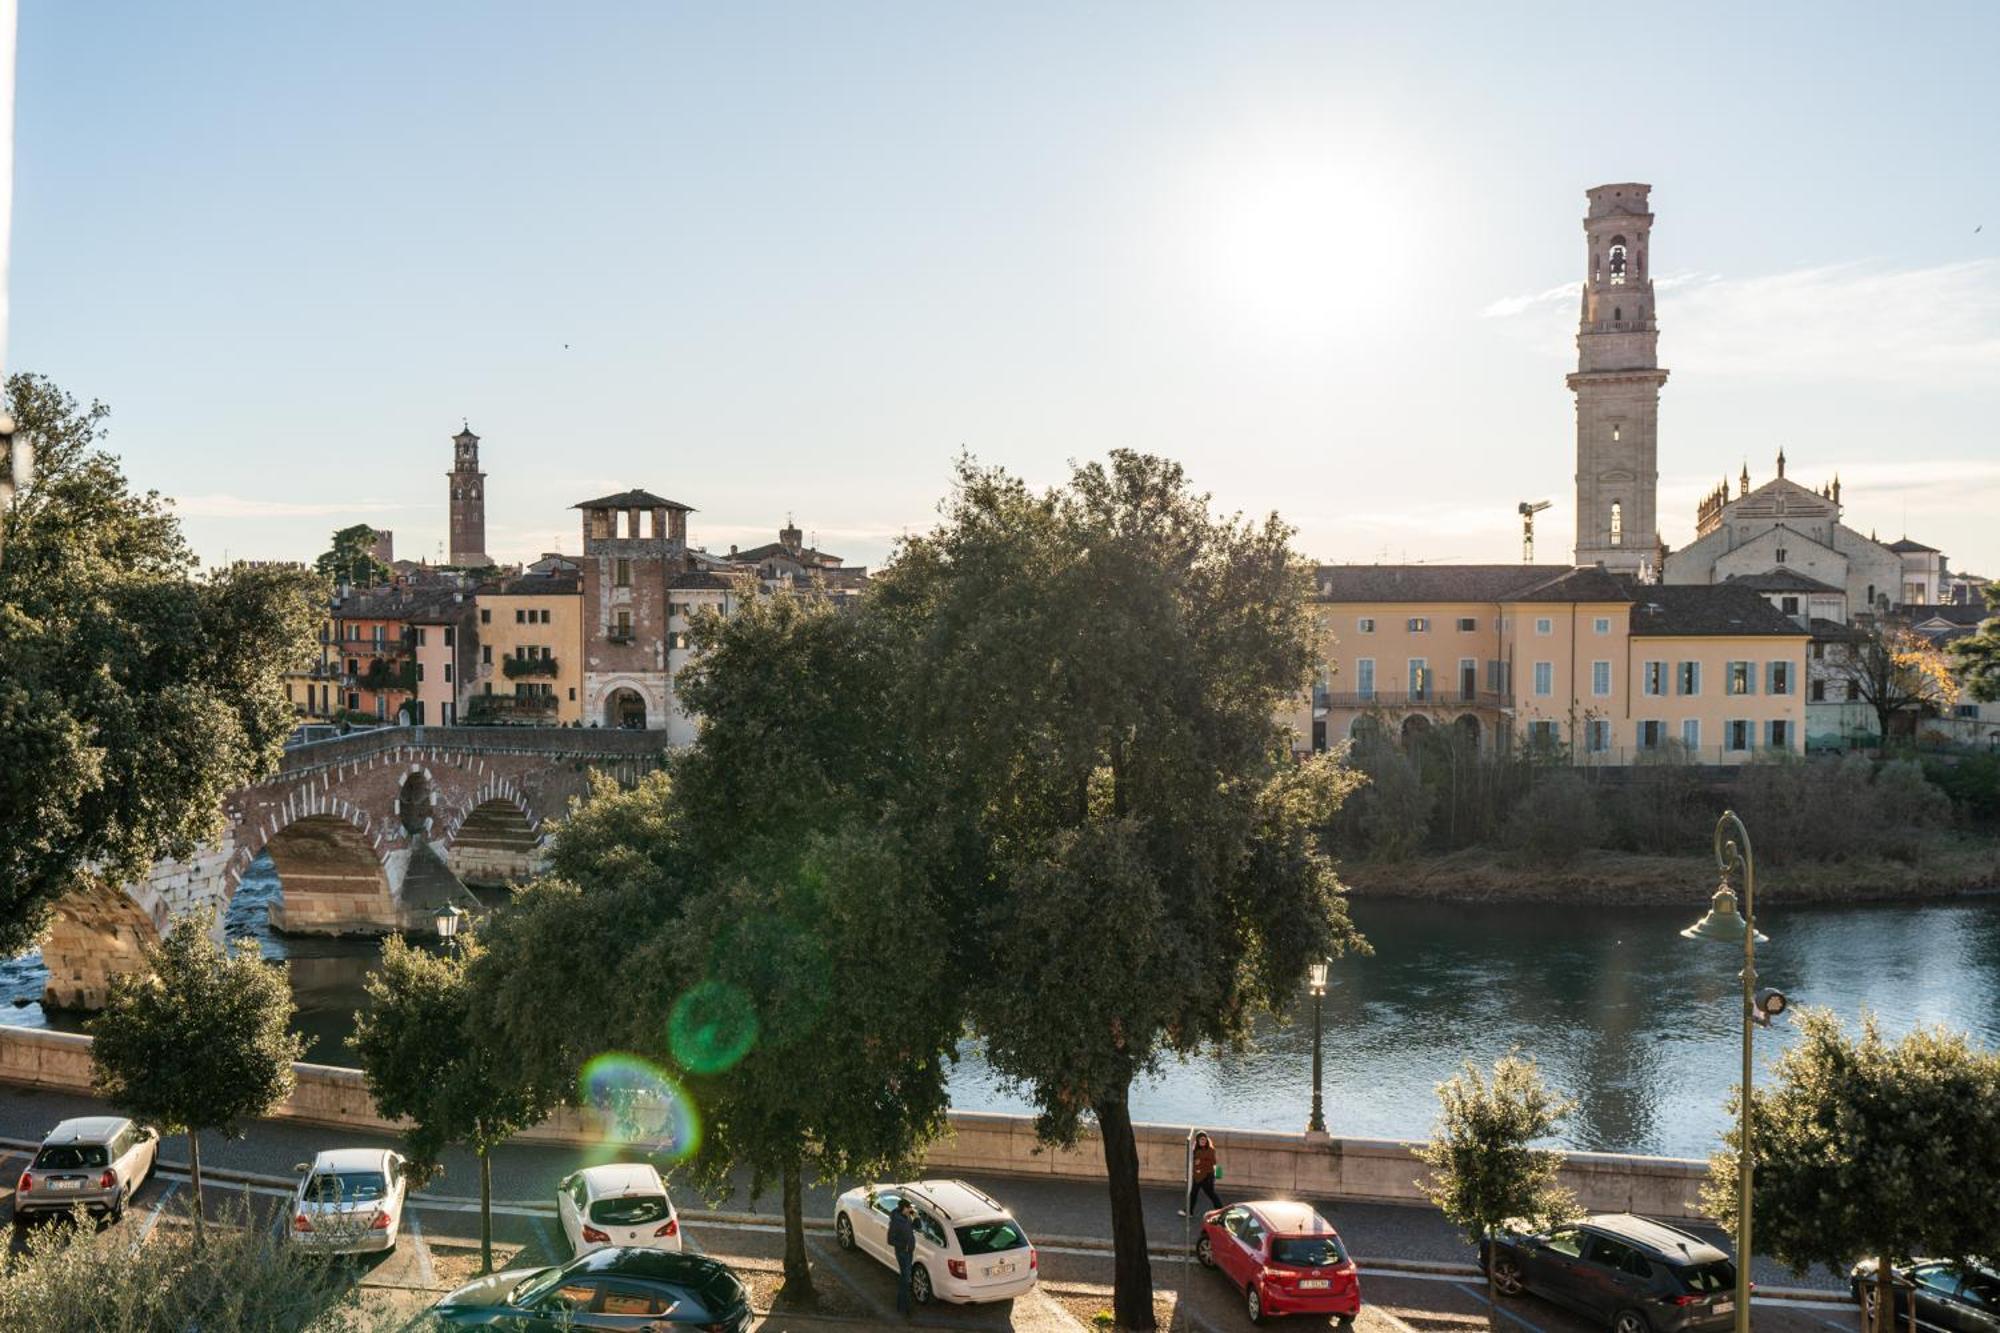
column 969, row 1247
column 620, row 1204
column 1949, row 1297
column 1284, row 1257
column 1637, row 1275
column 349, row 1201
column 97, row 1161
column 618, row 1288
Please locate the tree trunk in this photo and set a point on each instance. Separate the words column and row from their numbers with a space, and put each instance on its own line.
column 485, row 1212
column 1492, row 1289
column 1132, row 1271
column 194, row 1177
column 1885, row 1298
column 798, row 1276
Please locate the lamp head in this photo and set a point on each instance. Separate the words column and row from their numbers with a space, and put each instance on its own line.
column 1316, row 977
column 447, row 920
column 1723, row 924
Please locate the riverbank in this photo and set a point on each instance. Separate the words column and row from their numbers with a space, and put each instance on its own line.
column 1953, row 867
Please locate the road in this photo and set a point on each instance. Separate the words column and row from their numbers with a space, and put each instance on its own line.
column 1069, row 1219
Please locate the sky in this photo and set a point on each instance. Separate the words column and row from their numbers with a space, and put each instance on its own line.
column 776, row 260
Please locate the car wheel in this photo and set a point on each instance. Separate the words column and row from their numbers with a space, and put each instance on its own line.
column 1204, row 1252
column 920, row 1285
column 843, row 1232
column 1253, row 1303
column 1630, row 1321
column 1507, row 1276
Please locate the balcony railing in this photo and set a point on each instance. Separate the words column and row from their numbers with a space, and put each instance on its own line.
column 618, row 636
column 1435, row 697
column 528, row 666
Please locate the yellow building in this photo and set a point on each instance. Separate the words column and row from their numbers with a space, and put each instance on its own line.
column 530, row 665
column 1575, row 662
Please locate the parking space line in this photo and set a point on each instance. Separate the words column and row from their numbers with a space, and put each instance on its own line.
column 153, row 1218
column 1394, row 1321
column 422, row 1249
column 1496, row 1309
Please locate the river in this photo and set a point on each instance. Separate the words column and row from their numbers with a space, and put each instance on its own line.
column 1640, row 1026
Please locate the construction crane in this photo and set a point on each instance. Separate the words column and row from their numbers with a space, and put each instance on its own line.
column 1528, row 512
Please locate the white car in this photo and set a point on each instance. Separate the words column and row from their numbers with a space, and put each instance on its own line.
column 969, row 1248
column 350, row 1201
column 622, row 1204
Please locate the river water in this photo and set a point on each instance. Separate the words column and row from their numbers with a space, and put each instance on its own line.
column 1640, row 1026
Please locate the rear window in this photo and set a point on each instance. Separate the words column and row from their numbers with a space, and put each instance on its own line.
column 720, row 1292
column 630, row 1210
column 1308, row 1251
column 1718, row 1276
column 72, row 1157
column 346, row 1187
column 990, row 1237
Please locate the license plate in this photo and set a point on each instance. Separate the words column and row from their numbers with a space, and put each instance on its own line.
column 65, row 1184
column 1314, row 1283
column 1000, row 1270
column 1724, row 1307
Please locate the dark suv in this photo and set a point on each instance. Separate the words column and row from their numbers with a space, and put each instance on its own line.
column 1637, row 1275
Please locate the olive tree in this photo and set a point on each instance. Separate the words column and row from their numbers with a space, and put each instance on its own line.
column 1484, row 1167
column 201, row 1040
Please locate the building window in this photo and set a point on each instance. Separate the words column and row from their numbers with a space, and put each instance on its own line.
column 1545, row 678
column 1601, row 625
column 353, row 666
column 1652, row 735
column 1789, row 605
column 1617, row 523
column 1418, row 624
column 1598, row 736
column 1742, row 678
column 485, row 615
column 1778, row 678
column 420, row 636
column 625, row 624
column 1739, row 736
column 1781, row 555
column 486, row 653
column 1688, row 679
column 1781, row 735
column 1543, row 735
column 447, row 673
column 1818, row 694
column 1600, row 679
column 1420, row 678
column 1691, row 733
column 1467, row 624
column 624, row 573
column 1617, row 261
column 420, row 673
column 1468, row 679
column 1655, row 678
column 1544, row 625
column 1365, row 625
column 572, row 694
column 1364, row 677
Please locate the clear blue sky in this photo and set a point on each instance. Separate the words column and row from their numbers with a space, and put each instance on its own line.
column 772, row 259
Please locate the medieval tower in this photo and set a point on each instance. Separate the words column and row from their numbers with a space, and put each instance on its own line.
column 468, row 502
column 1617, row 384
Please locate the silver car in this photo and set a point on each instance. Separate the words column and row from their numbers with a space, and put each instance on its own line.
column 97, row 1161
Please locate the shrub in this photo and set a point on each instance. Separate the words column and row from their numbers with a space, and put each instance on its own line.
column 1557, row 819
column 1388, row 816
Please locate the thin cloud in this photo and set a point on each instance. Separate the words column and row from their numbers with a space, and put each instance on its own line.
column 246, row 506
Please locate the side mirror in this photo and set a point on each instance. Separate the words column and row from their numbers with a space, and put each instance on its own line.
column 300, row 1168
column 152, row 1133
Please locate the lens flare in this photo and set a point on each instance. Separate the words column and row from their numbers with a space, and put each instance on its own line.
column 641, row 1107
column 711, row 1027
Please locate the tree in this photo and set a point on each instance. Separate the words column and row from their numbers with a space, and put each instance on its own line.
column 1484, row 1171
column 420, row 1054
column 350, row 558
column 1896, row 671
column 1870, row 1148
column 1977, row 656
column 115, row 657
column 1127, row 857
column 202, row 1040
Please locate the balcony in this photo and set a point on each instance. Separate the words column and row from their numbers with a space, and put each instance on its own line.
column 513, row 667
column 618, row 636
column 502, row 709
column 1434, row 697
column 381, row 674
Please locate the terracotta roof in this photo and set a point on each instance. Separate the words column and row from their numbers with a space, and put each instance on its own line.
column 699, row 578
column 1704, row 608
column 1467, row 583
column 1780, row 580
column 634, row 499
column 1953, row 612
column 804, row 555
column 1834, row 631
column 534, row 585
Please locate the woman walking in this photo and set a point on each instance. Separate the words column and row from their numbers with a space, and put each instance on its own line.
column 1204, row 1173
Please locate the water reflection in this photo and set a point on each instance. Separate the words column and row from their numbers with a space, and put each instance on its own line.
column 1641, row 1026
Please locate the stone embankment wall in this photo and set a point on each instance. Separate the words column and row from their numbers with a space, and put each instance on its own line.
column 1378, row 1170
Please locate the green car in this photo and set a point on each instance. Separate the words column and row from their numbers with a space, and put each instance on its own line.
column 622, row 1289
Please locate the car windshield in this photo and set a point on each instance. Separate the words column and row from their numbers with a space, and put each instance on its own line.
column 535, row 1286
column 72, row 1157
column 630, row 1210
column 990, row 1237
column 346, row 1187
column 1307, row 1251
column 1718, row 1276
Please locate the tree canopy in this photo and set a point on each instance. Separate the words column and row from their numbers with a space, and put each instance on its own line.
column 350, row 558
column 134, row 691
column 1977, row 656
column 202, row 1040
column 1897, row 671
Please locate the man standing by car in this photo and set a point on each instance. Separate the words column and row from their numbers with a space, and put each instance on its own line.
column 903, row 1240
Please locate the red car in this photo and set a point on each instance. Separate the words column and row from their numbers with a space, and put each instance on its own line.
column 1286, row 1258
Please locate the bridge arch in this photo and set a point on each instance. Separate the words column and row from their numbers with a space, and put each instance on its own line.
column 338, row 872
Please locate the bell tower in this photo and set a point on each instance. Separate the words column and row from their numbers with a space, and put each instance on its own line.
column 468, row 502
column 1617, row 385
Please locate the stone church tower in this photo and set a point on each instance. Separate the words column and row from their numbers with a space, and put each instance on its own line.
column 468, row 502
column 1617, row 385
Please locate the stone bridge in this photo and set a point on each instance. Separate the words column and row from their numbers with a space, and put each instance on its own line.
column 361, row 830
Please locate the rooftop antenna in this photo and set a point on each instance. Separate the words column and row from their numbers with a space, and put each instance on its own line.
column 1527, row 511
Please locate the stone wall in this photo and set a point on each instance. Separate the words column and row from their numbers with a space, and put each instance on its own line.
column 982, row 1142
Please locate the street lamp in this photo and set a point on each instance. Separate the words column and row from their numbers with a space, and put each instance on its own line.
column 447, row 922
column 1725, row 926
column 1316, row 978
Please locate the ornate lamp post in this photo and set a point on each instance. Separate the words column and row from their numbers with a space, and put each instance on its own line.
column 1723, row 925
column 447, row 922
column 1316, row 978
